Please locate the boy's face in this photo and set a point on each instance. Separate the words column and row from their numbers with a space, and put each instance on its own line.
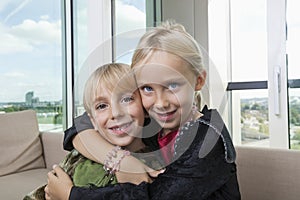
column 167, row 86
column 118, row 115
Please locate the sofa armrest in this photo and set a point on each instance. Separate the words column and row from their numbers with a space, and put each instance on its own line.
column 52, row 147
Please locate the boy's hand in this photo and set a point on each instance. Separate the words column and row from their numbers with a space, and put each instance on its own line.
column 59, row 185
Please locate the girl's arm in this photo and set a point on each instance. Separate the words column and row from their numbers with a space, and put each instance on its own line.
column 92, row 145
column 60, row 187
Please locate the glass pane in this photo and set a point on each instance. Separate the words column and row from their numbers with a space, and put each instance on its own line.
column 80, row 33
column 80, row 42
column 90, row 36
column 293, row 41
column 253, row 117
column 249, row 40
column 130, row 24
column 31, row 60
column 294, row 118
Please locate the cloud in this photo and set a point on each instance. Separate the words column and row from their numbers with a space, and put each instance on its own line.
column 40, row 32
column 129, row 18
column 26, row 36
column 12, row 44
column 14, row 75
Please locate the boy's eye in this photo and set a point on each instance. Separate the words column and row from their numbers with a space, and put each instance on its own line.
column 147, row 89
column 127, row 99
column 173, row 86
column 101, row 106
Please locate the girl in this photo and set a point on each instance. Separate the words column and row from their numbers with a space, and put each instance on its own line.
column 196, row 147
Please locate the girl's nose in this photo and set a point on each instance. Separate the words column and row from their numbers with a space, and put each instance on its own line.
column 162, row 100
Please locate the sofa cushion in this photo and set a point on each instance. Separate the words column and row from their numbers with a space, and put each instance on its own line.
column 20, row 145
column 16, row 186
column 268, row 173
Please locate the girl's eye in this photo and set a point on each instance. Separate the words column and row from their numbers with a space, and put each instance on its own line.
column 173, row 86
column 101, row 106
column 127, row 99
column 147, row 89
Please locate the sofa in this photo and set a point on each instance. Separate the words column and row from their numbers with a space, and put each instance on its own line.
column 27, row 154
column 268, row 173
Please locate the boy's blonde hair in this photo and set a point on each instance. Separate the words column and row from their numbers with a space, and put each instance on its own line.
column 113, row 76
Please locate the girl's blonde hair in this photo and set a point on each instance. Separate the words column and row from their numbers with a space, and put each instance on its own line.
column 172, row 38
column 110, row 76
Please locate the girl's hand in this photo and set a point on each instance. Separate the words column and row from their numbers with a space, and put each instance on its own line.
column 59, row 185
column 136, row 172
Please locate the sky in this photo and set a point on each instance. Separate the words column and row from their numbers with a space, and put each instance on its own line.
column 30, row 55
column 30, row 48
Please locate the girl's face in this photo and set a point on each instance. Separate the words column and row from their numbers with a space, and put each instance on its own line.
column 167, row 86
column 118, row 116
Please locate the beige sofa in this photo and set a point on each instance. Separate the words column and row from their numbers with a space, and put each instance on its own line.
column 27, row 155
column 268, row 174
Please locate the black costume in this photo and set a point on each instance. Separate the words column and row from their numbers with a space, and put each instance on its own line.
column 203, row 165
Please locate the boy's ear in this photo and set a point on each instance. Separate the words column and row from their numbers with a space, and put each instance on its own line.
column 93, row 121
column 146, row 113
column 200, row 81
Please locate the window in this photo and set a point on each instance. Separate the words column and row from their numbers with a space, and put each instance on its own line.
column 31, row 60
column 90, row 35
column 249, row 63
column 293, row 41
column 129, row 26
column 93, row 44
column 258, row 45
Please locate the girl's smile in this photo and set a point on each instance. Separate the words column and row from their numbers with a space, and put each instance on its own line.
column 165, row 117
column 168, row 95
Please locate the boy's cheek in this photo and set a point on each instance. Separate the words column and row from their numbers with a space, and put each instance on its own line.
column 147, row 103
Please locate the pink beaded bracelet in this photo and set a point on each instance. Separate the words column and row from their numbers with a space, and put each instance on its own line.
column 112, row 162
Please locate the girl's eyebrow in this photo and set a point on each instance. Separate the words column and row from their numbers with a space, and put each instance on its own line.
column 177, row 79
column 139, row 84
column 163, row 82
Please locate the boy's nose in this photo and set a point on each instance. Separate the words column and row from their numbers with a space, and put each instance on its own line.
column 116, row 111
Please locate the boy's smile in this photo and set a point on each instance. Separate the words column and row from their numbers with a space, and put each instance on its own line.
column 119, row 117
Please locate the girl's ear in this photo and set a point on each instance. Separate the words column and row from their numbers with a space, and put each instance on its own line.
column 200, row 81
